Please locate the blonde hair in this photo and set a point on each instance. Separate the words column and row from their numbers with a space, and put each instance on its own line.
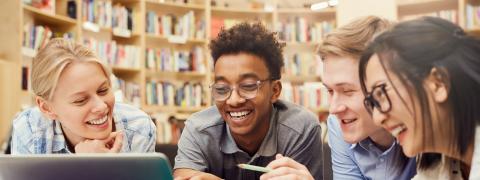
column 51, row 60
column 352, row 39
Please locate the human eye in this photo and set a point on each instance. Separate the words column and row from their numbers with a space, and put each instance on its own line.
column 221, row 88
column 80, row 101
column 103, row 91
column 249, row 86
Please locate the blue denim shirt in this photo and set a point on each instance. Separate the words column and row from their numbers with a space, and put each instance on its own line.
column 33, row 133
column 364, row 160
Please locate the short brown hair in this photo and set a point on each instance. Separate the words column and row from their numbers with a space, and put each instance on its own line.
column 352, row 39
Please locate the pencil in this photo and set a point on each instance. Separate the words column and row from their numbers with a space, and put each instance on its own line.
column 254, row 168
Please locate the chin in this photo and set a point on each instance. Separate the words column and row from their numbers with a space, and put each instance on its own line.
column 352, row 139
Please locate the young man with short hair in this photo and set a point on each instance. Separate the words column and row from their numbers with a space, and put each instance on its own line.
column 249, row 124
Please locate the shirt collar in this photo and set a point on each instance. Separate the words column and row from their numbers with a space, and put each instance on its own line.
column 59, row 143
column 369, row 145
column 269, row 143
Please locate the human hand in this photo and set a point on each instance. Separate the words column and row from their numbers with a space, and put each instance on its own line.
column 286, row 168
column 112, row 144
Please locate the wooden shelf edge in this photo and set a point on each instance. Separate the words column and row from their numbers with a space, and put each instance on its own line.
column 240, row 10
column 176, row 5
column 54, row 18
column 330, row 10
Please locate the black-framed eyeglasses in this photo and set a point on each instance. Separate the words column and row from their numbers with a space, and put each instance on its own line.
column 378, row 98
column 246, row 90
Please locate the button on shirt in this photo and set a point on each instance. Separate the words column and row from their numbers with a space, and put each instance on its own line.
column 206, row 143
column 364, row 160
column 35, row 134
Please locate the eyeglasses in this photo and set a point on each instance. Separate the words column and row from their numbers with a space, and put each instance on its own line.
column 378, row 98
column 246, row 90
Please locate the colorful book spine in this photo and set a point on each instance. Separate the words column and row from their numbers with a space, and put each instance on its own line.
column 114, row 54
column 169, row 94
column 169, row 60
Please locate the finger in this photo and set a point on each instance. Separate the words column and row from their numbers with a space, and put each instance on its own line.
column 286, row 162
column 117, row 145
column 278, row 156
column 110, row 137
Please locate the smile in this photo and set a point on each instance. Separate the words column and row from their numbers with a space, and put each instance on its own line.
column 348, row 121
column 399, row 129
column 239, row 114
column 98, row 121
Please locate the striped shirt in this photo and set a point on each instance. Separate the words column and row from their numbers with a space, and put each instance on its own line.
column 33, row 133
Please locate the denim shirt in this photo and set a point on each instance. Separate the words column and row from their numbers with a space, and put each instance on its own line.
column 33, row 133
column 364, row 160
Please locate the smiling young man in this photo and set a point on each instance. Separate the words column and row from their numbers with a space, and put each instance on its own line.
column 360, row 149
column 249, row 124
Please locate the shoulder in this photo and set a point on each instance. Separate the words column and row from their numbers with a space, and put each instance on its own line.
column 31, row 121
column 204, row 120
column 296, row 117
column 132, row 117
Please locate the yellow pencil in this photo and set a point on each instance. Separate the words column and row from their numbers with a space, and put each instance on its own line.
column 254, row 168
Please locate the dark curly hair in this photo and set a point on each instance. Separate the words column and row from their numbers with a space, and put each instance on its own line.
column 253, row 39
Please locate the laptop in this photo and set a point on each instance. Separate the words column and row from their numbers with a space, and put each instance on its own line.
column 126, row 166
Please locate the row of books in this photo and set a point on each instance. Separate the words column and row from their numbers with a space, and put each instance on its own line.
column 169, row 94
column 37, row 36
column 302, row 64
column 102, row 13
column 167, row 59
column 450, row 15
column 115, row 54
column 310, row 94
column 169, row 128
column 472, row 16
column 298, row 29
column 186, row 26
column 125, row 91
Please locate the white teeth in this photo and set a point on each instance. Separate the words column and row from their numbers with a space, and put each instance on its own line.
column 397, row 130
column 98, row 121
column 239, row 114
column 346, row 121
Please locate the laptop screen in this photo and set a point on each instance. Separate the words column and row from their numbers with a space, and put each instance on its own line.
column 86, row 167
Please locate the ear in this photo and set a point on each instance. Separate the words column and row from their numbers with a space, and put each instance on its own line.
column 437, row 84
column 276, row 89
column 45, row 108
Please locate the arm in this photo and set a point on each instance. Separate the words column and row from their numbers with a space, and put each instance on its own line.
column 190, row 162
column 304, row 161
column 343, row 165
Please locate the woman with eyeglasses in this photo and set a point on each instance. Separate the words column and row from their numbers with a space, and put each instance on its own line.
column 421, row 81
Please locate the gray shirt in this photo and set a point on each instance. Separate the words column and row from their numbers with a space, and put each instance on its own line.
column 207, row 145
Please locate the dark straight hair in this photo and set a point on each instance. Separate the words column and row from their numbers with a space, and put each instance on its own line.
column 410, row 50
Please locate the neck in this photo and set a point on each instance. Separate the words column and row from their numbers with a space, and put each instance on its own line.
column 251, row 141
column 382, row 139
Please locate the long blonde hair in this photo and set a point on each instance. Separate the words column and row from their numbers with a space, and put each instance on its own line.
column 51, row 60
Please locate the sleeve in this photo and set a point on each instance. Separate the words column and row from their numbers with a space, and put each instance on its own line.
column 343, row 166
column 189, row 154
column 20, row 132
column 309, row 151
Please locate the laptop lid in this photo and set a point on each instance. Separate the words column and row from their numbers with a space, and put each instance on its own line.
column 86, row 167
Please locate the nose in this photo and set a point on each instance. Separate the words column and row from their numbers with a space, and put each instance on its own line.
column 336, row 106
column 235, row 99
column 378, row 117
column 99, row 105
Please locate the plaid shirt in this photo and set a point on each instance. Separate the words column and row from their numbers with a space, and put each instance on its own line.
column 33, row 133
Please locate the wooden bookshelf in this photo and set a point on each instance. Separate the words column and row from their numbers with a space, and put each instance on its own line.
column 49, row 18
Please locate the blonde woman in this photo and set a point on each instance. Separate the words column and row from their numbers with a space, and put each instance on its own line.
column 76, row 110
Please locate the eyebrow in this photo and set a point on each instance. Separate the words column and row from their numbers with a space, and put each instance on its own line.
column 242, row 76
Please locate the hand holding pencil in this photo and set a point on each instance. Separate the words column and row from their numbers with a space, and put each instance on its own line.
column 286, row 168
